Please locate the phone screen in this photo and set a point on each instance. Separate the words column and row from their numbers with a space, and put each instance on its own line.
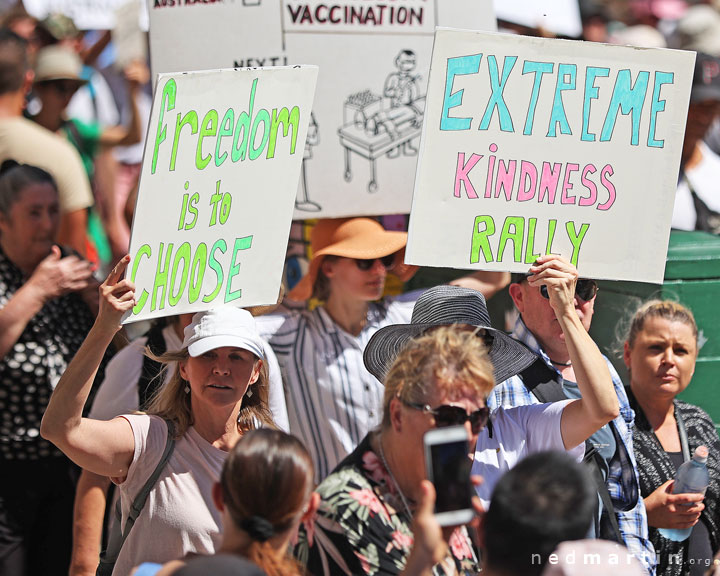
column 451, row 476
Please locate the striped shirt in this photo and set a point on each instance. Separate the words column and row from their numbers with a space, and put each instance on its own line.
column 332, row 400
column 622, row 481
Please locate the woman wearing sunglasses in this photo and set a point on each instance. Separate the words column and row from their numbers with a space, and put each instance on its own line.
column 333, row 402
column 441, row 378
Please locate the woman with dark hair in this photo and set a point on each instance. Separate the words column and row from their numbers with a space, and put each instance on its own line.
column 265, row 491
column 218, row 392
column 660, row 353
column 45, row 313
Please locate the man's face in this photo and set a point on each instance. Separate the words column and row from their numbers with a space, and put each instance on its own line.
column 540, row 318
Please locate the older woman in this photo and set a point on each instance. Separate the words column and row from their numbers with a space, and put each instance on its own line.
column 218, row 391
column 442, row 377
column 660, row 353
column 333, row 402
column 43, row 320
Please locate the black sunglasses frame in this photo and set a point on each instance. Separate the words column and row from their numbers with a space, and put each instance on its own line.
column 585, row 289
column 365, row 264
column 478, row 419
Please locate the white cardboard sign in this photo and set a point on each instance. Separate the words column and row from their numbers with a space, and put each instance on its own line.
column 535, row 146
column 374, row 58
column 85, row 14
column 219, row 175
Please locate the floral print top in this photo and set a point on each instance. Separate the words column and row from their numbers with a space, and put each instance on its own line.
column 362, row 526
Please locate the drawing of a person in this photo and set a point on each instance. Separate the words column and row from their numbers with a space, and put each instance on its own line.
column 402, row 88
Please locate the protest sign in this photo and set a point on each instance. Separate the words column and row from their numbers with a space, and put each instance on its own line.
column 557, row 16
column 85, row 14
column 128, row 38
column 534, row 146
column 218, row 181
column 374, row 57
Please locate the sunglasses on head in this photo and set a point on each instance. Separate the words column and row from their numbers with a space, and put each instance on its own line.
column 446, row 415
column 584, row 289
column 387, row 261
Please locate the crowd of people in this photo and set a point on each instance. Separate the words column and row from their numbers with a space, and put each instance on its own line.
column 289, row 440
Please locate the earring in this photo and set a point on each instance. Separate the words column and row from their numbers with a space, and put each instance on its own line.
column 249, row 393
column 187, row 388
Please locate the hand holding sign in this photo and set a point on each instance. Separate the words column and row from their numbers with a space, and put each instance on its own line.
column 117, row 297
column 559, row 278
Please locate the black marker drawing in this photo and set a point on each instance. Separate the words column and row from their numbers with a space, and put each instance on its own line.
column 313, row 138
column 373, row 127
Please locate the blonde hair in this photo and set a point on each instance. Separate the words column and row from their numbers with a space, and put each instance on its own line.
column 173, row 403
column 452, row 359
column 666, row 309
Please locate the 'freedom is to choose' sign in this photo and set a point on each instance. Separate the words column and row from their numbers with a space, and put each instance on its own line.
column 533, row 146
column 217, row 189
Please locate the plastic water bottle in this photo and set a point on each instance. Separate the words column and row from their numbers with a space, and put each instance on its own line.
column 691, row 477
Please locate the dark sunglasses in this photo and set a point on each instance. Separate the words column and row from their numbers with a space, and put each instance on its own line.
column 365, row 265
column 63, row 87
column 584, row 289
column 453, row 415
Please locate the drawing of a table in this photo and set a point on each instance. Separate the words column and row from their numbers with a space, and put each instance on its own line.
column 372, row 147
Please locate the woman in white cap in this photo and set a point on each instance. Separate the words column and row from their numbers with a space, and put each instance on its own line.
column 333, row 402
column 219, row 390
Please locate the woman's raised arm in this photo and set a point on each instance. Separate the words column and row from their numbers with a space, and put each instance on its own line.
column 105, row 448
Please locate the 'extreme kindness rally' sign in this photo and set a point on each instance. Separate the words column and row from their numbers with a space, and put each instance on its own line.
column 535, row 146
column 217, row 188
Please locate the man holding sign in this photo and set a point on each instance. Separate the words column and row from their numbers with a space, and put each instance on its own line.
column 531, row 147
column 609, row 451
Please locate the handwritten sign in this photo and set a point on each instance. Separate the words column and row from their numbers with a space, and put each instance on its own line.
column 374, row 58
column 218, row 181
column 85, row 14
column 128, row 37
column 535, row 146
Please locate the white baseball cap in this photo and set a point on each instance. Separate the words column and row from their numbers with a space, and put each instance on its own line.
column 224, row 326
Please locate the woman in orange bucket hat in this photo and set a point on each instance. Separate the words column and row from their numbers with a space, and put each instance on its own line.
column 333, row 401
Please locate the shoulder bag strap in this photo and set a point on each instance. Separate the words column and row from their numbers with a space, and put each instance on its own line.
column 115, row 544
column 595, row 464
column 539, row 379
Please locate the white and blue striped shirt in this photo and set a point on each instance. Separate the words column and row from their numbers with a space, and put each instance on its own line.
column 332, row 400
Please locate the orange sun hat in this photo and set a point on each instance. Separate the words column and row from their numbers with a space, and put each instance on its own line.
column 362, row 238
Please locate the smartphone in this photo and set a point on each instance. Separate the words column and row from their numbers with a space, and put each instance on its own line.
column 448, row 468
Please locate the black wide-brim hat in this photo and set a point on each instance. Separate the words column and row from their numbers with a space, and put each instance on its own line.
column 444, row 306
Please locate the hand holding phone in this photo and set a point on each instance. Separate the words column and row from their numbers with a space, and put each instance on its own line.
column 448, row 468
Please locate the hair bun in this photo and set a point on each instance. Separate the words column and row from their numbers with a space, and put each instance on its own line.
column 259, row 528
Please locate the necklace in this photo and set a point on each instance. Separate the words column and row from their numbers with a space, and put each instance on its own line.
column 392, row 476
column 566, row 364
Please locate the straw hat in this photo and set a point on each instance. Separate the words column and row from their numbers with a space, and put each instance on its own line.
column 362, row 238
column 699, row 30
column 58, row 63
column 443, row 306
